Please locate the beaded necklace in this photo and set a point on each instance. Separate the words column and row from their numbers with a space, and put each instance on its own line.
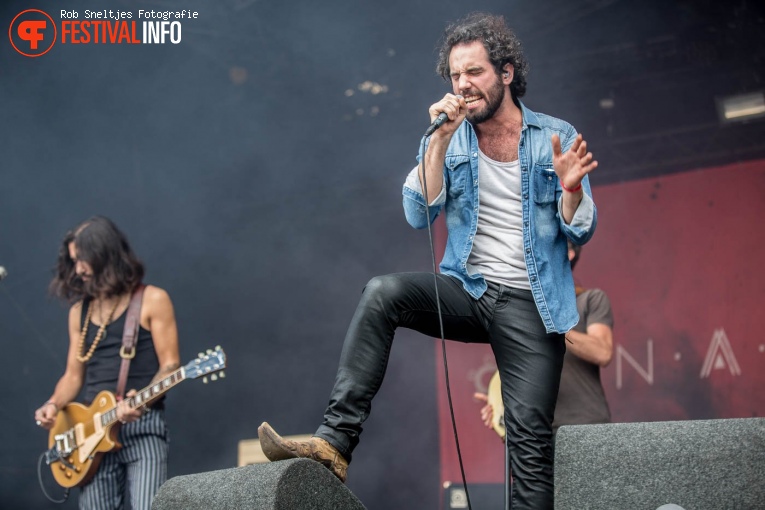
column 84, row 358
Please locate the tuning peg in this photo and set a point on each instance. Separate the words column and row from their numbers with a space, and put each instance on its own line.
column 209, row 351
column 213, row 377
column 204, row 379
column 222, row 374
column 217, row 347
column 201, row 354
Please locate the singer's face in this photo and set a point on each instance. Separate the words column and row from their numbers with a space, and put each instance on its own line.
column 474, row 77
column 81, row 268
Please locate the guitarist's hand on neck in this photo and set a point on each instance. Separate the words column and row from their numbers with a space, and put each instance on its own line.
column 126, row 414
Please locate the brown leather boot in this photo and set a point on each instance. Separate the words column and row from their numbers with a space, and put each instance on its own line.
column 276, row 448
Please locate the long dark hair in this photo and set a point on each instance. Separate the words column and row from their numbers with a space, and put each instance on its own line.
column 116, row 269
column 501, row 43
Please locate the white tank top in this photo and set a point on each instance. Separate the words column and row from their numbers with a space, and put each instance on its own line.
column 498, row 245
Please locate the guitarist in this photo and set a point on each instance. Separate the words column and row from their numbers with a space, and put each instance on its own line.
column 98, row 272
column 581, row 399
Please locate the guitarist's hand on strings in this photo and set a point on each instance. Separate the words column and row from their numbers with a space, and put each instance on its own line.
column 487, row 411
column 125, row 414
column 45, row 415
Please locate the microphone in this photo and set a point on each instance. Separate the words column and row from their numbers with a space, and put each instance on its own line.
column 442, row 117
column 3, row 272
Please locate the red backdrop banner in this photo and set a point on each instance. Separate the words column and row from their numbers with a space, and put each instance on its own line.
column 681, row 258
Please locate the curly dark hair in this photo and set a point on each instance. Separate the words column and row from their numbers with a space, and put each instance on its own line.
column 116, row 269
column 500, row 42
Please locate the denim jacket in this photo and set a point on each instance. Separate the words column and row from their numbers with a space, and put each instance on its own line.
column 544, row 232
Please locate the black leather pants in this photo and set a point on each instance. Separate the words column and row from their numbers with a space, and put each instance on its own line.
column 528, row 358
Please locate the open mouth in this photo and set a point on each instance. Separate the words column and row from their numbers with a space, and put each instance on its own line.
column 473, row 101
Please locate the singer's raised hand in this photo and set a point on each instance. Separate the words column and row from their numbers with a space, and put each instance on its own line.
column 572, row 166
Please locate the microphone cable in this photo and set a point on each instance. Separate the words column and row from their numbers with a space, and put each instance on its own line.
column 440, row 317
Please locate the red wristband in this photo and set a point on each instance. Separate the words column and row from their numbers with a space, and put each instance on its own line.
column 574, row 190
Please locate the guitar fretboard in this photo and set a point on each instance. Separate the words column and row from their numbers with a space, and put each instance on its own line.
column 146, row 395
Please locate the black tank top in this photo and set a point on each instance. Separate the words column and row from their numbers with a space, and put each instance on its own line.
column 103, row 369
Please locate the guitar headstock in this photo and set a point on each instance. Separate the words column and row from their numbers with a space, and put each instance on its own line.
column 210, row 364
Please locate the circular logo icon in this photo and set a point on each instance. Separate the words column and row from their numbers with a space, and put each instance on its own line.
column 32, row 33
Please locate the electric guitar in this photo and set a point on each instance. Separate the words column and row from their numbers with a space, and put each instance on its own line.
column 81, row 435
column 494, row 398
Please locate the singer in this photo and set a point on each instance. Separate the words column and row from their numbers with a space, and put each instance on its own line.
column 513, row 186
column 98, row 272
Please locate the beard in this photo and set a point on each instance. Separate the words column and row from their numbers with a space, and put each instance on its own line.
column 493, row 98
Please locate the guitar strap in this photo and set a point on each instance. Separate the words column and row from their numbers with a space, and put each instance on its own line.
column 129, row 338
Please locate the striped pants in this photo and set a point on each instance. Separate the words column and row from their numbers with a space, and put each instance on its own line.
column 138, row 469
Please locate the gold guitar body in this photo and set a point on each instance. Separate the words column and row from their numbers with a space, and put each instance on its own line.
column 79, row 431
column 81, row 435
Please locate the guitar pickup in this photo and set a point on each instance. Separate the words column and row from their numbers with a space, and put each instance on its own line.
column 65, row 443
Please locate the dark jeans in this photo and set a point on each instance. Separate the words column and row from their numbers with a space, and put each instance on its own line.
column 529, row 361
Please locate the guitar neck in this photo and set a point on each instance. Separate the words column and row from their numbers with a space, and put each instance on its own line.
column 146, row 395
